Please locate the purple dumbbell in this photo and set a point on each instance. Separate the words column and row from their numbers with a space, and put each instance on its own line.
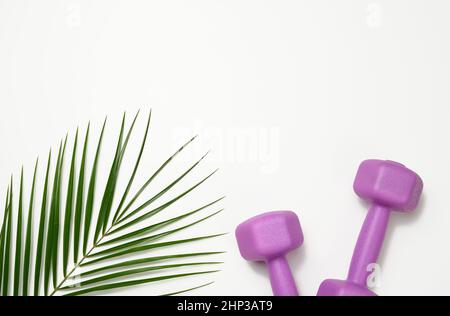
column 269, row 237
column 388, row 186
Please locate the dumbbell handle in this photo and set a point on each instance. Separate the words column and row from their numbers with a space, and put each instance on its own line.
column 369, row 244
column 281, row 279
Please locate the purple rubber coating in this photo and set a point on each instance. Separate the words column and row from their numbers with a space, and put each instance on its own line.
column 388, row 186
column 269, row 237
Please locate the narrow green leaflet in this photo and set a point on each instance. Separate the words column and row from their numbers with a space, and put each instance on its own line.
column 7, row 248
column 136, row 166
column 131, row 272
column 69, row 207
column 158, row 171
column 162, row 192
column 3, row 238
column 110, row 186
column 162, row 207
column 146, row 240
column 91, row 193
column 41, row 233
column 79, row 201
column 187, row 290
column 157, row 226
column 52, row 227
column 136, row 282
column 18, row 256
column 148, row 247
column 28, row 238
column 116, row 175
column 55, row 250
column 141, row 261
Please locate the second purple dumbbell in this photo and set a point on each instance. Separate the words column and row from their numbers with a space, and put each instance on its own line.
column 388, row 186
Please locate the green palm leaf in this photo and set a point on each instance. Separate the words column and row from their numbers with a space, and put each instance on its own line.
column 79, row 247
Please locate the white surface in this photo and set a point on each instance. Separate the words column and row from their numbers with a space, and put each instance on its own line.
column 289, row 95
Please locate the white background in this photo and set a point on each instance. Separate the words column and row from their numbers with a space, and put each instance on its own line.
column 290, row 96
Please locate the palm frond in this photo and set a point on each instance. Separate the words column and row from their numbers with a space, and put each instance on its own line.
column 82, row 246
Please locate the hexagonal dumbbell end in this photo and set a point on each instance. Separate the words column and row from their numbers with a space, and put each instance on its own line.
column 388, row 183
column 269, row 237
column 388, row 186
